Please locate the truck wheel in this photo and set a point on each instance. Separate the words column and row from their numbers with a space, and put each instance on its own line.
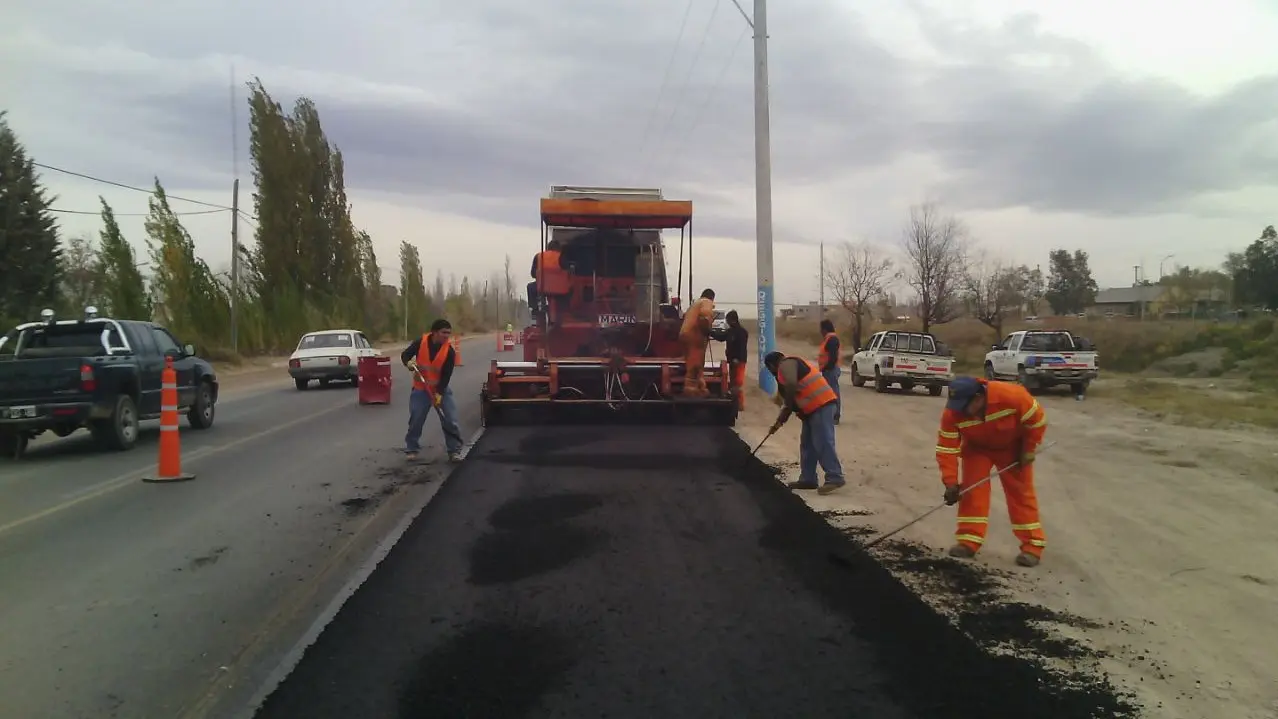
column 857, row 379
column 302, row 383
column 934, row 390
column 989, row 371
column 120, row 431
column 1024, row 379
column 13, row 446
column 880, row 382
column 200, row 416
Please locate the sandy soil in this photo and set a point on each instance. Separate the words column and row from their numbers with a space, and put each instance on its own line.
column 1162, row 563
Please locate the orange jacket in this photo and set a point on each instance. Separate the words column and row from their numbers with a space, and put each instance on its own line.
column 1013, row 419
column 430, row 368
column 698, row 319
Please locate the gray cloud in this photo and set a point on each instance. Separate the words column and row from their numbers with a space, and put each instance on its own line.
column 560, row 91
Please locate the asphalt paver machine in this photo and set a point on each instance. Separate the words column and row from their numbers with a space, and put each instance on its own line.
column 604, row 339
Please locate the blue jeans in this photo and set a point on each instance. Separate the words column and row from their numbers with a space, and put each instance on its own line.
column 832, row 377
column 419, row 408
column 816, row 446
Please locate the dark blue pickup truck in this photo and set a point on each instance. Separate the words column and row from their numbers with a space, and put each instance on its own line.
column 95, row 373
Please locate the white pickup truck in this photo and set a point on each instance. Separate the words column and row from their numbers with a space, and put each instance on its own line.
column 904, row 358
column 1039, row 359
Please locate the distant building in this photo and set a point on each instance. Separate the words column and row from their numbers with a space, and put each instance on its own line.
column 810, row 312
column 1157, row 301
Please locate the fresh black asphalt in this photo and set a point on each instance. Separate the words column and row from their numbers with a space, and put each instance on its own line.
column 643, row 572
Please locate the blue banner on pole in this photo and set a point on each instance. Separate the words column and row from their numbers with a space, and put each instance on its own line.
column 767, row 337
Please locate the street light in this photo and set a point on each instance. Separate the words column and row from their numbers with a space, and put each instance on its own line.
column 1160, row 266
column 762, row 191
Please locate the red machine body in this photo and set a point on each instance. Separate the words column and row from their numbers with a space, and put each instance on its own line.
column 604, row 341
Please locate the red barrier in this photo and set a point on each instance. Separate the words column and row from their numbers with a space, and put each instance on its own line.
column 508, row 342
column 374, row 380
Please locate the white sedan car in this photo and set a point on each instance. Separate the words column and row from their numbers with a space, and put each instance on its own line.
column 329, row 355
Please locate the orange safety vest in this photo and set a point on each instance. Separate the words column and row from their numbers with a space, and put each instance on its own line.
column 551, row 277
column 813, row 391
column 430, row 368
column 823, row 358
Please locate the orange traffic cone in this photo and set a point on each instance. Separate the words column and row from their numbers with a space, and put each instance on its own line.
column 457, row 351
column 170, row 465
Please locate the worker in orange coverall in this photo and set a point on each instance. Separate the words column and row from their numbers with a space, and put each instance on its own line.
column 694, row 335
column 988, row 425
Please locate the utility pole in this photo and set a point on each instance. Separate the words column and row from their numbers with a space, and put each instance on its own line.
column 821, row 280
column 235, row 262
column 763, row 195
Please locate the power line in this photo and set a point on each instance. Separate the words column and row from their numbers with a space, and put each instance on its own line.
column 661, row 91
column 131, row 214
column 714, row 89
column 687, row 80
column 129, row 187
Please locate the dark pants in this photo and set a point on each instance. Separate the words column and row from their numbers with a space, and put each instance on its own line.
column 532, row 295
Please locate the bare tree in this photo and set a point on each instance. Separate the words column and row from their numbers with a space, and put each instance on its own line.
column 993, row 291
column 858, row 278
column 935, row 252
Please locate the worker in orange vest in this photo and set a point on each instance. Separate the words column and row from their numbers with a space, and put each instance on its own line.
column 431, row 358
column 828, row 360
column 988, row 425
column 801, row 389
column 694, row 335
column 549, row 259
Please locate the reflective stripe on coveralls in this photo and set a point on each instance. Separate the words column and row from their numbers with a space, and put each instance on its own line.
column 430, row 368
column 813, row 391
column 1014, row 423
column 823, row 357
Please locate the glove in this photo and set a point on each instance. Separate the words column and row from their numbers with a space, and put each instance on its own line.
column 952, row 494
column 412, row 365
column 1027, row 458
column 438, row 399
column 781, row 420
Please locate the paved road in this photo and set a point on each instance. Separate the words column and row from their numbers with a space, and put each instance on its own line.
column 574, row 572
column 120, row 598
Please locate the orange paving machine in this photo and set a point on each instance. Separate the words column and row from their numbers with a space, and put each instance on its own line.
column 604, row 338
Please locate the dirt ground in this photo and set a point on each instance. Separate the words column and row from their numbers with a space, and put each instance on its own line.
column 1161, row 569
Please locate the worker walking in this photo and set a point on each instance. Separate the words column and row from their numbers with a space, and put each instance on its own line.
column 988, row 425
column 736, row 340
column 431, row 358
column 801, row 389
column 828, row 360
column 694, row 335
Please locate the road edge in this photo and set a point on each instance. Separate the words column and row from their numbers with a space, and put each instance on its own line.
column 293, row 656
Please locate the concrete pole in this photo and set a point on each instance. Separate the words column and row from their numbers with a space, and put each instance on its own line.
column 763, row 196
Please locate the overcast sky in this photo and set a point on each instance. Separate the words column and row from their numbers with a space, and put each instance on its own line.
column 1132, row 130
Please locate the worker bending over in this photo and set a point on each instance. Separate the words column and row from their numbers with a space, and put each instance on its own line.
column 736, row 340
column 694, row 335
column 988, row 425
column 828, row 359
column 802, row 390
column 431, row 359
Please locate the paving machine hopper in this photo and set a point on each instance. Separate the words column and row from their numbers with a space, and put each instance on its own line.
column 603, row 344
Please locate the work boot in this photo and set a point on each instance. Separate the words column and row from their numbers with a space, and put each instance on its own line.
column 830, row 487
column 454, row 457
column 1025, row 559
column 410, row 456
column 802, row 485
column 962, row 551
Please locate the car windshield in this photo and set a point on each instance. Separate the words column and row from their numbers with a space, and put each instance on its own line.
column 324, row 341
